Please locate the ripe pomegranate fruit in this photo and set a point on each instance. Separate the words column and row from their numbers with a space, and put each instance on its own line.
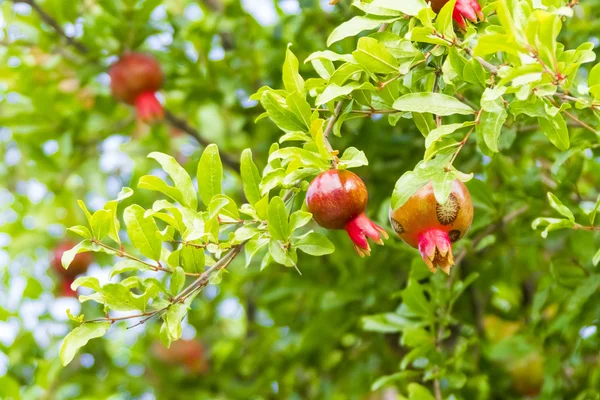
column 134, row 79
column 80, row 264
column 431, row 227
column 191, row 354
column 469, row 9
column 337, row 200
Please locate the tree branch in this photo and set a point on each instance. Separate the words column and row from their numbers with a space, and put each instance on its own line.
column 228, row 159
column 82, row 48
column 181, row 124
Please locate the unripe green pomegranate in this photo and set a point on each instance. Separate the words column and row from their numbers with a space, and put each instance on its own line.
column 469, row 9
column 337, row 200
column 431, row 227
column 135, row 79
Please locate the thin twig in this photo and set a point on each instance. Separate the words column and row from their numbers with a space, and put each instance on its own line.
column 82, row 48
column 185, row 127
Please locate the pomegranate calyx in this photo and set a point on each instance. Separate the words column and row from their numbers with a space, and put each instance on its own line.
column 469, row 9
column 148, row 108
column 436, row 249
column 359, row 229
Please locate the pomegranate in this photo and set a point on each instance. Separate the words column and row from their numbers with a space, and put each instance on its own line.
column 134, row 79
column 337, row 200
column 469, row 9
column 191, row 354
column 431, row 227
column 80, row 264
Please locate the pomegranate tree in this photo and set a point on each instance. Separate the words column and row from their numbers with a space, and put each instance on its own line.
column 135, row 79
column 464, row 9
column 431, row 227
column 191, row 354
column 79, row 266
column 337, row 200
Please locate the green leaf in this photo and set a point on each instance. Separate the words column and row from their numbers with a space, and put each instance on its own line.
column 434, row 103
column 210, row 174
column 314, row 243
column 192, row 259
column 416, row 302
column 69, row 255
column 558, row 206
column 443, row 23
column 300, row 107
column 177, row 281
column 181, row 179
column 142, row 232
column 101, row 221
column 444, row 130
column 298, row 219
column 398, row 377
column 442, row 185
column 596, row 258
column 282, row 116
column 81, row 231
column 151, row 182
column 556, row 130
column 418, row 392
column 408, row 7
column 79, row 337
column 173, row 318
column 490, row 127
column 126, row 266
column 353, row 158
column 334, row 91
column 552, row 224
column 250, row 177
column 278, row 224
column 354, row 26
column 292, row 80
column 592, row 214
column 374, row 56
column 406, row 186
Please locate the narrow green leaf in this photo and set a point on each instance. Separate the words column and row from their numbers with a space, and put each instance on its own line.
column 278, row 224
column 314, row 243
column 434, row 103
column 556, row 130
column 142, row 232
column 560, row 207
column 210, row 174
column 79, row 337
column 292, row 80
column 180, row 178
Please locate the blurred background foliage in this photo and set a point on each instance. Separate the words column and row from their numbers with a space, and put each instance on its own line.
column 269, row 334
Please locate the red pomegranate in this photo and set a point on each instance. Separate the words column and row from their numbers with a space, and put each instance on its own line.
column 469, row 9
column 135, row 79
column 79, row 266
column 431, row 227
column 337, row 200
column 190, row 354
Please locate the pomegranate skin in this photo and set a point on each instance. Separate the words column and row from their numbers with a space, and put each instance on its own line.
column 463, row 9
column 424, row 224
column 337, row 200
column 335, row 197
column 80, row 263
column 134, row 80
column 190, row 354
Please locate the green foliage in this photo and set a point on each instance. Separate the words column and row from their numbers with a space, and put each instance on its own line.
column 509, row 106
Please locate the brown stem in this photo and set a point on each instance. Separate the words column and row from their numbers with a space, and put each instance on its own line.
column 185, row 127
column 122, row 254
column 82, row 48
column 329, row 128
